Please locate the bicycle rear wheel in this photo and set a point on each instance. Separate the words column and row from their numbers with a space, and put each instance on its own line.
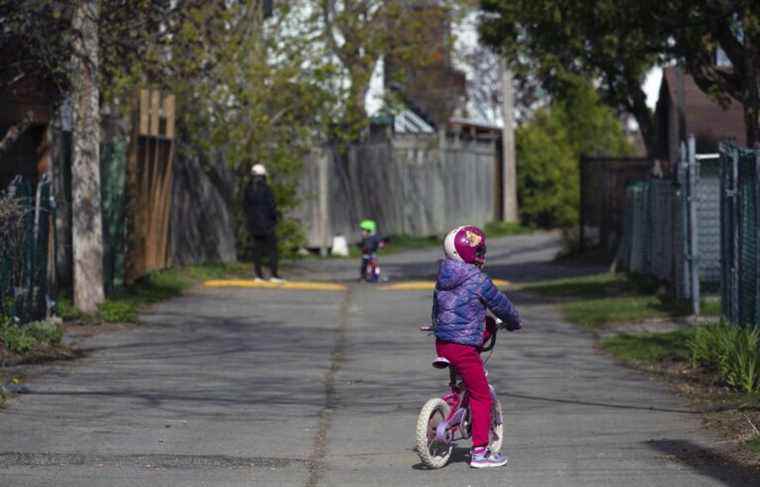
column 434, row 453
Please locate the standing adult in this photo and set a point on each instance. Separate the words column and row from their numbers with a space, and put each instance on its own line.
column 261, row 212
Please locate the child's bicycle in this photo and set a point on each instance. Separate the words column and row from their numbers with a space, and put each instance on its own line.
column 373, row 269
column 445, row 420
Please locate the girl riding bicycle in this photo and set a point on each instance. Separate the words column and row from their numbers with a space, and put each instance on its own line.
column 463, row 293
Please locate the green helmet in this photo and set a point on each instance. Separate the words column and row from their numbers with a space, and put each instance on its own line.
column 368, row 225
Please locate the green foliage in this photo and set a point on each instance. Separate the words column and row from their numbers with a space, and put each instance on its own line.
column 400, row 243
column 124, row 305
column 548, row 152
column 599, row 312
column 615, row 42
column 650, row 348
column 497, row 229
column 118, row 311
column 597, row 300
column 66, row 309
column 45, row 332
column 734, row 28
column 753, row 444
column 15, row 339
column 731, row 350
column 24, row 338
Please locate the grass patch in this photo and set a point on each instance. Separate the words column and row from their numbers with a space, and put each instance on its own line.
column 505, row 229
column 754, row 445
column 600, row 299
column 650, row 347
column 123, row 305
column 584, row 287
column 596, row 313
column 732, row 351
column 21, row 339
column 400, row 243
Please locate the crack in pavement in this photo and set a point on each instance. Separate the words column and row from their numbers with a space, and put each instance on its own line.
column 154, row 460
column 316, row 461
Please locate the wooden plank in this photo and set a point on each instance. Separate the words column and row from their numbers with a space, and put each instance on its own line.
column 149, row 199
column 155, row 112
column 143, row 112
column 169, row 113
column 164, row 205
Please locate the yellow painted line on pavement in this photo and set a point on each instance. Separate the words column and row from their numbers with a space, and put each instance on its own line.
column 291, row 285
column 429, row 285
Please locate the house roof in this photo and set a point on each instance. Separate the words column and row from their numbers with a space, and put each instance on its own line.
column 703, row 116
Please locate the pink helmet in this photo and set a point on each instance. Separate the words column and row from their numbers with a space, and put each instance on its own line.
column 466, row 244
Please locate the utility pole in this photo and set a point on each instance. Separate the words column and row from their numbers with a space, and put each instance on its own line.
column 509, row 166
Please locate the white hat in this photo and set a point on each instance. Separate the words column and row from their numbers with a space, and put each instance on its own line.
column 259, row 170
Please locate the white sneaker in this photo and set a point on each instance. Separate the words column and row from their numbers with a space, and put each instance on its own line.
column 276, row 280
column 487, row 459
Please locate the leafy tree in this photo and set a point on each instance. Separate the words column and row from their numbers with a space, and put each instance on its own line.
column 701, row 30
column 549, row 148
column 606, row 40
column 618, row 41
column 358, row 33
column 82, row 50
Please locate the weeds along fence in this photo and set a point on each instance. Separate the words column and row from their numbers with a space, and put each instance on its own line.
column 740, row 234
column 672, row 226
column 25, row 222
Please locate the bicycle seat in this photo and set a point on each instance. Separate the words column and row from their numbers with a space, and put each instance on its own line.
column 441, row 363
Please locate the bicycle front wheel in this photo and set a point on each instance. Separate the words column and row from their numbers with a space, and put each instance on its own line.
column 433, row 452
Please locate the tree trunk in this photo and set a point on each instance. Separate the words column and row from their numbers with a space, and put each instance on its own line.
column 87, row 227
column 645, row 119
column 16, row 131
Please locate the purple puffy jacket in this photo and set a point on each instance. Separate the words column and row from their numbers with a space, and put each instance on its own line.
column 462, row 295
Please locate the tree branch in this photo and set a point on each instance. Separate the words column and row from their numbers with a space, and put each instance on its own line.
column 15, row 132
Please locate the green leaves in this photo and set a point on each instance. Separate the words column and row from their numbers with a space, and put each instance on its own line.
column 549, row 147
column 610, row 41
column 733, row 351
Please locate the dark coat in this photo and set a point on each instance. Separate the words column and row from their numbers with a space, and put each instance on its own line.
column 260, row 208
column 462, row 295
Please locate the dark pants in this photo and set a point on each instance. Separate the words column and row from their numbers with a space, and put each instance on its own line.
column 265, row 245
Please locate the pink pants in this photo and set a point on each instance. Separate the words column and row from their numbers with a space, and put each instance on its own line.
column 466, row 359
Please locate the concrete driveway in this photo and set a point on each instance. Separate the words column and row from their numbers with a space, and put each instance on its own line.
column 270, row 387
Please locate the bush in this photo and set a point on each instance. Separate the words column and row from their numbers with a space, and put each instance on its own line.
column 549, row 147
column 734, row 352
column 66, row 309
column 22, row 339
column 45, row 332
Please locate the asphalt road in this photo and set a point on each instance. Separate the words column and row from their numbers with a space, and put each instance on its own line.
column 229, row 386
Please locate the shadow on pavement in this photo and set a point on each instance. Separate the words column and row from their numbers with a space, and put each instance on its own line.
column 708, row 462
column 459, row 455
column 598, row 404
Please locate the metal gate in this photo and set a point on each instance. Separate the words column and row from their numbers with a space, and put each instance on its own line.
column 740, row 224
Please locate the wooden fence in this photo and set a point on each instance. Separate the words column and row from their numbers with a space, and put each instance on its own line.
column 149, row 184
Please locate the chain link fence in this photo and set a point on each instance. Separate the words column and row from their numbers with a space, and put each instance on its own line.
column 25, row 221
column 671, row 226
column 740, row 224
